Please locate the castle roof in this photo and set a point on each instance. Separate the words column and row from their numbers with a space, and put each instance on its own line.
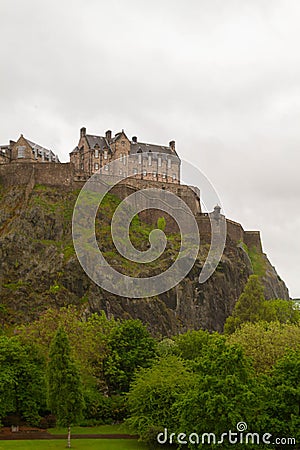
column 135, row 147
column 99, row 141
column 40, row 150
column 142, row 147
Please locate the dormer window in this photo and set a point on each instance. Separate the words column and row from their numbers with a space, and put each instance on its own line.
column 140, row 158
column 105, row 154
column 123, row 143
column 21, row 151
column 96, row 153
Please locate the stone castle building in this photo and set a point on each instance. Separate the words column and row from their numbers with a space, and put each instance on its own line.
column 93, row 154
column 24, row 150
column 151, row 166
column 148, row 161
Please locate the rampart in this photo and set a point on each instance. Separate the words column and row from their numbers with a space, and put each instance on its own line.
column 39, row 173
column 30, row 174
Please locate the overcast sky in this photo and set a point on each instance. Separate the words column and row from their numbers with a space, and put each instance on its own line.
column 220, row 77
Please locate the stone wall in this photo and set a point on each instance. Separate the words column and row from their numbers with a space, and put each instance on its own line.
column 46, row 173
column 51, row 174
column 252, row 239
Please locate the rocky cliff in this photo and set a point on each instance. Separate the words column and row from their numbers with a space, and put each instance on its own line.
column 39, row 268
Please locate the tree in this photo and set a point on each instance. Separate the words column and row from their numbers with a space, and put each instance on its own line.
column 22, row 384
column 65, row 398
column 266, row 343
column 223, row 394
column 283, row 311
column 283, row 400
column 130, row 346
column 154, row 392
column 249, row 306
column 87, row 337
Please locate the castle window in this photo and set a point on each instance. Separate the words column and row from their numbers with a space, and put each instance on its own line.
column 96, row 153
column 105, row 155
column 106, row 167
column 169, row 163
column 149, row 160
column 81, row 166
column 164, row 175
column 120, row 172
column 123, row 143
column 144, row 173
column 135, row 171
column 154, row 174
column 140, row 158
column 96, row 166
column 174, row 176
column 159, row 161
column 21, row 151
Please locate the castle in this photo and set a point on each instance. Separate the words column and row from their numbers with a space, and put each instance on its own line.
column 24, row 150
column 25, row 163
column 94, row 153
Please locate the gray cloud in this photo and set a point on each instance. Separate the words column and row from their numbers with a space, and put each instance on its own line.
column 222, row 78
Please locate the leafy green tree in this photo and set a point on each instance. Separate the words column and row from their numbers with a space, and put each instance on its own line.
column 130, row 346
column 249, row 306
column 65, row 396
column 266, row 343
column 153, row 394
column 88, row 337
column 224, row 393
column 191, row 344
column 283, row 401
column 212, row 390
column 22, row 383
column 283, row 311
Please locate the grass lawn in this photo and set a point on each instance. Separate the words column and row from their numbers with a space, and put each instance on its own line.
column 101, row 429
column 77, row 444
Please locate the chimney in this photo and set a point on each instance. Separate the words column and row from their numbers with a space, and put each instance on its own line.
column 82, row 132
column 108, row 135
column 134, row 139
column 172, row 145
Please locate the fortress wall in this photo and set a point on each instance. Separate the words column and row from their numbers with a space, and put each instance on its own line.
column 53, row 174
column 186, row 193
column 15, row 174
column 252, row 239
column 235, row 231
column 204, row 226
column 50, row 174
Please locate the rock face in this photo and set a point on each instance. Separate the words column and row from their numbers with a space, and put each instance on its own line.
column 39, row 269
